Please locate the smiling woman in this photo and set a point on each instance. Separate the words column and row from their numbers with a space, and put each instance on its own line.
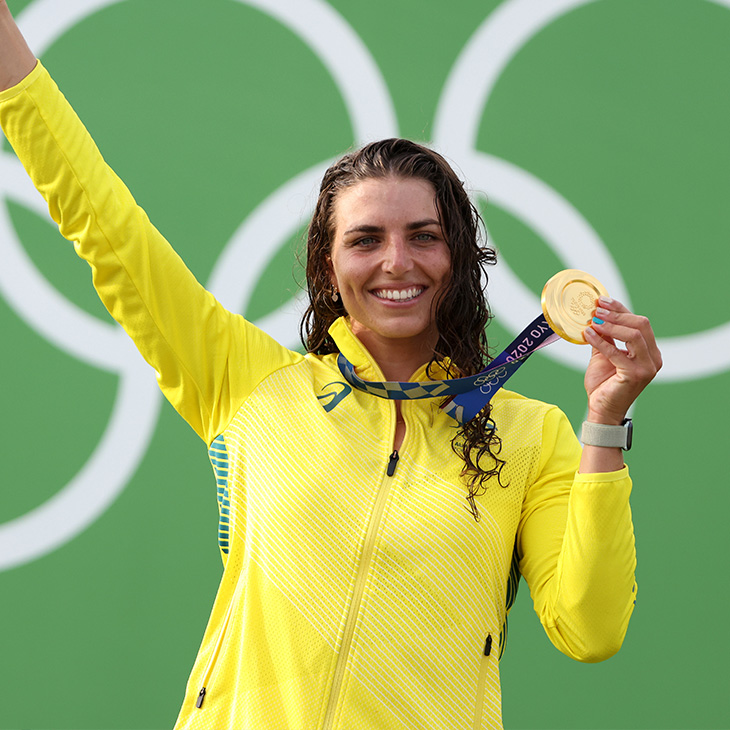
column 371, row 545
column 423, row 178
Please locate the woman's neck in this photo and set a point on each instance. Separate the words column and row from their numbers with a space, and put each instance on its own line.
column 398, row 358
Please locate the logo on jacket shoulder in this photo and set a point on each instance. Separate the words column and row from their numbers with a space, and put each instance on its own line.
column 337, row 391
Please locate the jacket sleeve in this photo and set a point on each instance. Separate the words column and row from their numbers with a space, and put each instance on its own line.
column 207, row 359
column 576, row 548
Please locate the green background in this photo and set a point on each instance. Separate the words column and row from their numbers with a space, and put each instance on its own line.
column 205, row 109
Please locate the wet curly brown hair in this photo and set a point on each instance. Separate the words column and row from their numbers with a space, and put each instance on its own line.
column 461, row 312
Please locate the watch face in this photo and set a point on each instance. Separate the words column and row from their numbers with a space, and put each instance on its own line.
column 629, row 424
column 568, row 302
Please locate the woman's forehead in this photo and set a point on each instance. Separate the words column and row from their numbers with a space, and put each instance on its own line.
column 381, row 201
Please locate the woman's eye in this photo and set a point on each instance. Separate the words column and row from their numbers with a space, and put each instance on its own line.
column 425, row 237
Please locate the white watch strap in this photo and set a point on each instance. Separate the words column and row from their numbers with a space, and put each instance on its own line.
column 599, row 434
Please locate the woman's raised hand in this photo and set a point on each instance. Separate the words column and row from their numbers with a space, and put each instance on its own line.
column 16, row 59
column 615, row 376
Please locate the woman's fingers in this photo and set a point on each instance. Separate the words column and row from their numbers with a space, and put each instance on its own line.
column 616, row 376
column 635, row 363
column 614, row 321
column 622, row 324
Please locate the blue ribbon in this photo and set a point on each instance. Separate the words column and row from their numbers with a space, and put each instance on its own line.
column 467, row 395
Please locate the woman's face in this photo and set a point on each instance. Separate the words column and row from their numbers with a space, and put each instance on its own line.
column 389, row 260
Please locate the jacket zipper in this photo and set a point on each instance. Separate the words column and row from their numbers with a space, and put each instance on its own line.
column 362, row 571
column 481, row 683
column 392, row 463
column 213, row 657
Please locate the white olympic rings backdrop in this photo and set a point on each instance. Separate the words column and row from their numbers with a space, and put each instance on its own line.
column 260, row 236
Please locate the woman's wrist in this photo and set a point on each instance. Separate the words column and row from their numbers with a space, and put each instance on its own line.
column 600, row 459
column 16, row 59
column 605, row 418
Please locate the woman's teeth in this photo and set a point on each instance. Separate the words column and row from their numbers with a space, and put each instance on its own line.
column 399, row 295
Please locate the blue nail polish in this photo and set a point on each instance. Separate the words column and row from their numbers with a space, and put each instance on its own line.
column 598, row 321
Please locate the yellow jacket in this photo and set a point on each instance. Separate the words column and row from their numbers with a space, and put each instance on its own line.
column 349, row 598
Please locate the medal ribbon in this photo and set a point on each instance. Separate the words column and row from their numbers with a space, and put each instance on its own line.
column 468, row 395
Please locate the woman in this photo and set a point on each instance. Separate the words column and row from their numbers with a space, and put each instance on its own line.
column 371, row 546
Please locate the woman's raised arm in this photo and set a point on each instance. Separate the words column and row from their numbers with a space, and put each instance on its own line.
column 207, row 359
column 16, row 59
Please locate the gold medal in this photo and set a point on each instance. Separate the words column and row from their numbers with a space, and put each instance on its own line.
column 569, row 300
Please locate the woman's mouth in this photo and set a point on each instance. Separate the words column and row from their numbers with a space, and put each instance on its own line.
column 399, row 295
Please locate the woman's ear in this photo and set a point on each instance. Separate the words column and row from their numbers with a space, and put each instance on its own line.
column 331, row 272
column 335, row 290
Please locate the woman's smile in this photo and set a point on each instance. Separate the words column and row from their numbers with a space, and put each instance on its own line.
column 399, row 295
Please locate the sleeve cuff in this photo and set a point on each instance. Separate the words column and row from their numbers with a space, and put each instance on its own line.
column 23, row 84
column 602, row 477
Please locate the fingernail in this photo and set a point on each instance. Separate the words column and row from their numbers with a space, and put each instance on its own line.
column 601, row 312
column 605, row 300
column 598, row 321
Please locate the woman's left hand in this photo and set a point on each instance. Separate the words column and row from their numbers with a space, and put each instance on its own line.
column 615, row 377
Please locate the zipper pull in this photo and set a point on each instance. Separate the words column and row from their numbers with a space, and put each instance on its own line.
column 488, row 646
column 392, row 463
column 201, row 697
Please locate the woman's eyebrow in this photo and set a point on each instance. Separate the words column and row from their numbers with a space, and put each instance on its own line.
column 423, row 224
column 365, row 228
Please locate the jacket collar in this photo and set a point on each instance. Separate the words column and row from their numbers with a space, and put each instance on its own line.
column 365, row 365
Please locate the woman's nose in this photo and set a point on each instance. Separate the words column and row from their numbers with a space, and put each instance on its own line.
column 398, row 258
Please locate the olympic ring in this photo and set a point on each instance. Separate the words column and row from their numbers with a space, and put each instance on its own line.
column 36, row 301
column 500, row 37
column 260, row 235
